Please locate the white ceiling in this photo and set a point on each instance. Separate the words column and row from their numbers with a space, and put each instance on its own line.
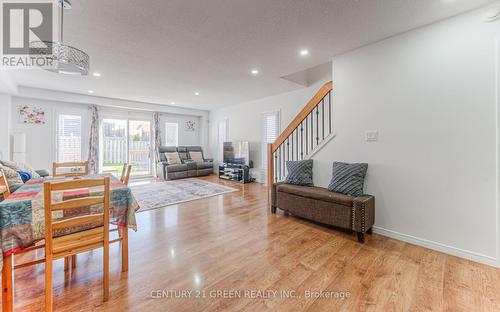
column 162, row 51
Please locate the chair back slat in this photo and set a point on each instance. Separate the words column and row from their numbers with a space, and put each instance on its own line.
column 74, row 165
column 76, row 221
column 77, row 203
column 75, row 184
column 4, row 187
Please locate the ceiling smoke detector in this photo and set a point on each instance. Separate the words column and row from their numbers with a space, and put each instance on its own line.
column 491, row 14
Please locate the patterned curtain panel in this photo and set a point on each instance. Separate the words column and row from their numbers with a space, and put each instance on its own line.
column 94, row 141
column 157, row 136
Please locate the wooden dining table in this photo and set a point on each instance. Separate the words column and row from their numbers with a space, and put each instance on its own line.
column 22, row 223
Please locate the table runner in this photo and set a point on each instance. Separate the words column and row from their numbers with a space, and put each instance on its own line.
column 22, row 213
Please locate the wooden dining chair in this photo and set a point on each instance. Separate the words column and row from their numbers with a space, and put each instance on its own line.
column 82, row 241
column 4, row 187
column 126, row 173
column 75, row 169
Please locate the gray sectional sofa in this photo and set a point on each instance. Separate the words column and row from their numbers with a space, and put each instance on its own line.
column 187, row 169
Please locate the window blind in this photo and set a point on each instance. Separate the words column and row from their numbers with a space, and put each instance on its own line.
column 270, row 132
column 69, row 138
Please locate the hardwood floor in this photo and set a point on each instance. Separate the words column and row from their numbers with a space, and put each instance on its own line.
column 230, row 245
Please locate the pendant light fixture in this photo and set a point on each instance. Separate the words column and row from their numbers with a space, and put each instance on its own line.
column 65, row 59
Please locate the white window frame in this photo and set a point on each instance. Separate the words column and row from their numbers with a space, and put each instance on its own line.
column 176, row 130
column 220, row 144
column 58, row 130
column 276, row 113
column 127, row 118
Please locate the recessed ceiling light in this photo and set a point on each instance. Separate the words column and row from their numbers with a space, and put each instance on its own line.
column 96, row 74
column 90, row 91
column 491, row 14
column 172, row 103
column 197, row 93
column 255, row 72
column 304, row 52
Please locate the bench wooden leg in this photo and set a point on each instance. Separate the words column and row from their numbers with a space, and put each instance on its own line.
column 273, row 209
column 73, row 262
column 7, row 294
column 361, row 237
column 124, row 245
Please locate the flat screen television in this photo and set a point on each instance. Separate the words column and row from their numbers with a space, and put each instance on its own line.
column 237, row 153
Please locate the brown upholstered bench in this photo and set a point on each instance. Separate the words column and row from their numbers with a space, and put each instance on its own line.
column 320, row 205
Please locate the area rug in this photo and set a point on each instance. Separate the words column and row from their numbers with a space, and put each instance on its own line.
column 161, row 194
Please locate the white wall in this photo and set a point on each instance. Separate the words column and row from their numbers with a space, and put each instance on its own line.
column 5, row 106
column 245, row 119
column 433, row 96
column 186, row 138
column 41, row 139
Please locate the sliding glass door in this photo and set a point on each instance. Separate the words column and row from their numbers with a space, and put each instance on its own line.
column 139, row 147
column 126, row 141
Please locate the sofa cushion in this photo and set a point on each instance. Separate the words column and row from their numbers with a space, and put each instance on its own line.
column 166, row 149
column 177, row 168
column 348, row 178
column 196, row 156
column 173, row 158
column 183, row 153
column 204, row 165
column 317, row 193
column 299, row 172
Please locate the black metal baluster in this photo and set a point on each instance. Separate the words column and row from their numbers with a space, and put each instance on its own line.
column 288, row 148
column 312, row 132
column 323, row 118
column 306, row 135
column 297, row 141
column 330, row 112
column 317, row 125
column 301, row 141
column 283, row 168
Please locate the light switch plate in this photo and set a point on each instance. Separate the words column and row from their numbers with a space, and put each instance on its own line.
column 371, row 136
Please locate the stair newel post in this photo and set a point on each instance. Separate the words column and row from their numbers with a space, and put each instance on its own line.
column 270, row 165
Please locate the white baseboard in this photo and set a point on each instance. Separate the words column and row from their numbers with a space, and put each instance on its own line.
column 469, row 255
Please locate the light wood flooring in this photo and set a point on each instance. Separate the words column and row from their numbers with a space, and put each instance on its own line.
column 231, row 246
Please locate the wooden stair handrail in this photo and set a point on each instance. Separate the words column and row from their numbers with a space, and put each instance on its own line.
column 325, row 89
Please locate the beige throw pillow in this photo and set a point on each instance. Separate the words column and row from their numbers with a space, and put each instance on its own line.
column 196, row 156
column 173, row 158
column 13, row 178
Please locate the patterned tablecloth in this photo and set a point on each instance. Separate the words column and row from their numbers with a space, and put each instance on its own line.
column 22, row 213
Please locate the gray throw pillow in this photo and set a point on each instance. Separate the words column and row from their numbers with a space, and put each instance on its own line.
column 300, row 172
column 348, row 179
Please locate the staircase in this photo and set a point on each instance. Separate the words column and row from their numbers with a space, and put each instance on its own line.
column 308, row 132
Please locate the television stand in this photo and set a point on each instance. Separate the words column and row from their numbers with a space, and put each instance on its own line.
column 235, row 172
